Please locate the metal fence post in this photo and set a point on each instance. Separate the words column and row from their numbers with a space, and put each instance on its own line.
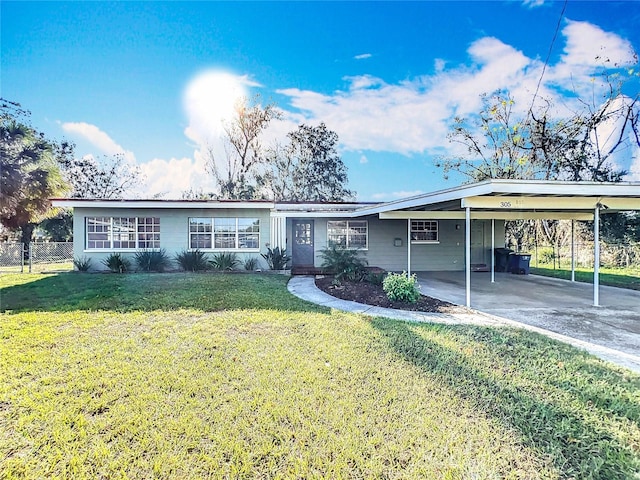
column 30, row 257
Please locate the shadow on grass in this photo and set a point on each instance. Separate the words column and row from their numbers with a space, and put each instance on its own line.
column 148, row 291
column 516, row 382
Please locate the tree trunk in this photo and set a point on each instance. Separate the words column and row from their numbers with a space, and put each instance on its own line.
column 25, row 237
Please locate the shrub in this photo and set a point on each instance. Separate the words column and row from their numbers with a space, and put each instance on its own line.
column 251, row 264
column 344, row 263
column 376, row 278
column 83, row 264
column 400, row 287
column 225, row 261
column 276, row 259
column 192, row 261
column 152, row 260
column 117, row 263
column 546, row 255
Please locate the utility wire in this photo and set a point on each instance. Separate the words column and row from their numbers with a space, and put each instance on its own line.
column 546, row 61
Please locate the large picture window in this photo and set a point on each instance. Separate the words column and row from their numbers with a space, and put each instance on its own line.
column 351, row 234
column 224, row 233
column 424, row 231
column 122, row 233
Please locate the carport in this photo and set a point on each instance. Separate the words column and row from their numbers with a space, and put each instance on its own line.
column 499, row 199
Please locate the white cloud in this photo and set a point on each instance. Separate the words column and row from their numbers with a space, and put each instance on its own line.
column 363, row 56
column 414, row 116
column 98, row 139
column 172, row 177
column 533, row 3
column 364, row 159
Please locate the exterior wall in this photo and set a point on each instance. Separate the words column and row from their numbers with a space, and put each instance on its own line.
column 447, row 254
column 174, row 230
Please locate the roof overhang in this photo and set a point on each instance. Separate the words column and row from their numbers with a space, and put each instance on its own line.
column 162, row 204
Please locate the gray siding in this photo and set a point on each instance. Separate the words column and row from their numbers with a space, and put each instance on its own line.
column 174, row 229
column 447, row 254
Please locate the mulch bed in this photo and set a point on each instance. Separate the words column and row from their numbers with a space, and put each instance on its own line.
column 370, row 294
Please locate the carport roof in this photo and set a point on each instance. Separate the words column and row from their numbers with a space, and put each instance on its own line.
column 499, row 195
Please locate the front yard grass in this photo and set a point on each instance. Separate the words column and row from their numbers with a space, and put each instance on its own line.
column 229, row 376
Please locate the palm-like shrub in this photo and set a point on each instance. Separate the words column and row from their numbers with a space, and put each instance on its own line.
column 251, row 264
column 344, row 264
column 152, row 260
column 276, row 258
column 117, row 263
column 83, row 264
column 225, row 261
column 192, row 261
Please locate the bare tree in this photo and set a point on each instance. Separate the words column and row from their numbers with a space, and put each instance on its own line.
column 236, row 174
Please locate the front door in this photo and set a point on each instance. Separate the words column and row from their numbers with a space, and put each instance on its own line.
column 477, row 243
column 302, row 253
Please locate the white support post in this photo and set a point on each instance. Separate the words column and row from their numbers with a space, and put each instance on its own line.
column 573, row 252
column 493, row 250
column 408, row 247
column 467, row 254
column 596, row 257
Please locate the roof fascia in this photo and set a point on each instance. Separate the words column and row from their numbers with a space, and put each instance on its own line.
column 158, row 204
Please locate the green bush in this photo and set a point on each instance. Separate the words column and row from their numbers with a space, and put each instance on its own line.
column 225, row 261
column 344, row 264
column 152, row 260
column 376, row 278
column 117, row 263
column 83, row 264
column 546, row 255
column 251, row 264
column 276, row 259
column 192, row 261
column 400, row 287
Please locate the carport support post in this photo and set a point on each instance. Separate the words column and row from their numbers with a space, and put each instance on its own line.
column 467, row 253
column 573, row 253
column 493, row 250
column 596, row 257
column 408, row 247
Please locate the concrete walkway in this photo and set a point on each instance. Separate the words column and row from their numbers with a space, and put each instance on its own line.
column 304, row 287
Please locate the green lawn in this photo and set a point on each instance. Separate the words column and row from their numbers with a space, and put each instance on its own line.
column 614, row 277
column 229, row 376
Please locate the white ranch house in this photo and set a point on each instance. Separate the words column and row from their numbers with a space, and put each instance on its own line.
column 453, row 229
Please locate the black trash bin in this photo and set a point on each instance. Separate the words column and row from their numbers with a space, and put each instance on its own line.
column 519, row 263
column 501, row 256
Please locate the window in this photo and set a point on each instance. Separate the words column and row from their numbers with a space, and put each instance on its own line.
column 122, row 233
column 224, row 233
column 424, row 231
column 348, row 234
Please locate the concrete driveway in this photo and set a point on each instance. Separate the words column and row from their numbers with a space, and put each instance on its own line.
column 560, row 306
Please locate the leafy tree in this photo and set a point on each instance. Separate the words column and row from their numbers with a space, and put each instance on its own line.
column 105, row 178
column 236, row 175
column 30, row 171
column 308, row 168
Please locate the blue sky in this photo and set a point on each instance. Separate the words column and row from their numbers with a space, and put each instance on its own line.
column 152, row 80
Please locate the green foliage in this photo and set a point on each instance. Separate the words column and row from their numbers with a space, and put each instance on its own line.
column 251, row 264
column 546, row 255
column 400, row 287
column 225, row 261
column 117, row 263
column 192, row 261
column 308, row 168
column 152, row 260
column 276, row 258
column 344, row 263
column 232, row 365
column 376, row 278
column 30, row 172
column 82, row 264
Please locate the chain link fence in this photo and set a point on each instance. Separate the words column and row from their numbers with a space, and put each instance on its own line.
column 38, row 257
column 11, row 257
column 612, row 255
